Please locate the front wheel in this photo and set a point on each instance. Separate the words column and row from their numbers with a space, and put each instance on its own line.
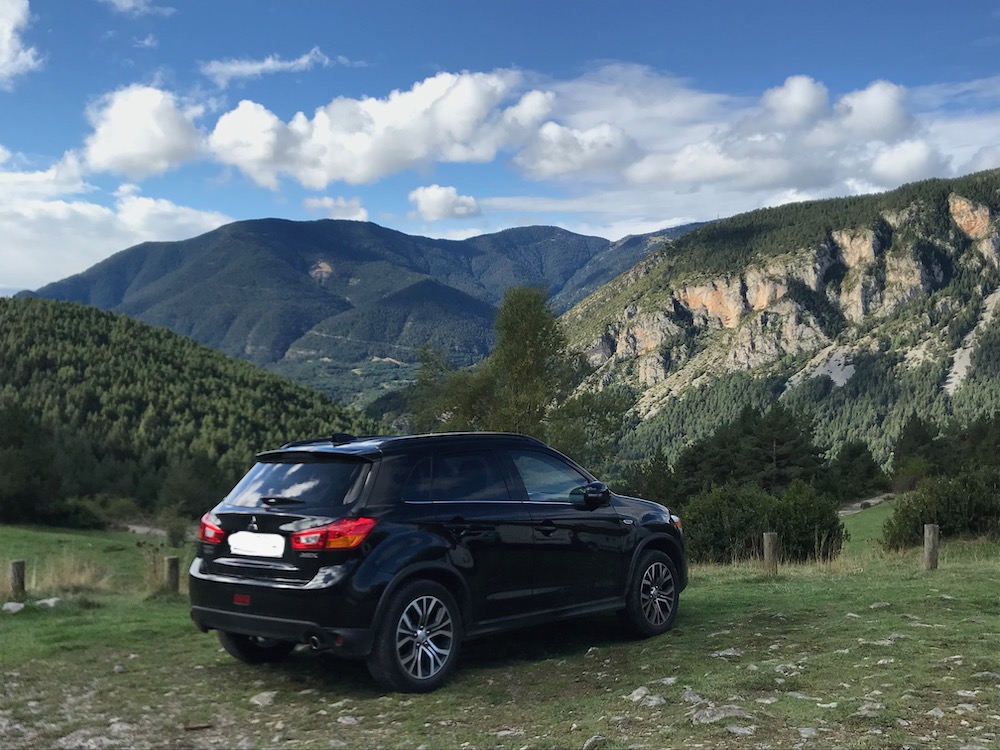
column 417, row 644
column 652, row 597
column 253, row 650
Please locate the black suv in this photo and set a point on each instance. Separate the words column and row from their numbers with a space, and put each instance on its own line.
column 398, row 548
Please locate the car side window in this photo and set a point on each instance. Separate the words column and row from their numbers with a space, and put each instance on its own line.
column 417, row 486
column 547, row 478
column 472, row 476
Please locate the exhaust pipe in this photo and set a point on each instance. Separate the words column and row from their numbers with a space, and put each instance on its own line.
column 315, row 643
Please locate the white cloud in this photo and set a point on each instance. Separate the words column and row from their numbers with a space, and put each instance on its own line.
column 875, row 113
column 65, row 177
column 49, row 239
column 988, row 157
column 559, row 150
column 223, row 71
column 448, row 118
column 906, row 162
column 141, row 131
column 799, row 100
column 435, row 203
column 139, row 7
column 337, row 208
column 148, row 42
column 15, row 58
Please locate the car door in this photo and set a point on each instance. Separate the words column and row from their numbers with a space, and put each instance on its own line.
column 577, row 548
column 490, row 530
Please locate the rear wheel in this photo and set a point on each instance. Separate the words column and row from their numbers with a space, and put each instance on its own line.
column 418, row 641
column 253, row 650
column 652, row 598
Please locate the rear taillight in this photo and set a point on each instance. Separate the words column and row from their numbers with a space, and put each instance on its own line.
column 209, row 530
column 346, row 533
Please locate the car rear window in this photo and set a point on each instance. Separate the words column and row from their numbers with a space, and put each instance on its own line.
column 300, row 483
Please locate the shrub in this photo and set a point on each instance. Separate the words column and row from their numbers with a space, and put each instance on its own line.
column 807, row 523
column 175, row 526
column 968, row 504
column 910, row 472
column 79, row 514
column 727, row 523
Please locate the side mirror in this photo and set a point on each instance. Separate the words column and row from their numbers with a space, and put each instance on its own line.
column 596, row 494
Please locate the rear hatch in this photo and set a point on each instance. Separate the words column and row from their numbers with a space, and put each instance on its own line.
column 292, row 514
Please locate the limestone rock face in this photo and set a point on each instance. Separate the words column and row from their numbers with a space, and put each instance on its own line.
column 321, row 271
column 979, row 224
column 825, row 297
column 719, row 303
column 858, row 247
column 770, row 334
column 972, row 218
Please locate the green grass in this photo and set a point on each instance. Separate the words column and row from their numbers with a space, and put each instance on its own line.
column 869, row 651
column 68, row 560
column 865, row 528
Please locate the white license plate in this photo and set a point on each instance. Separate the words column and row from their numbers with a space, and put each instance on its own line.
column 258, row 545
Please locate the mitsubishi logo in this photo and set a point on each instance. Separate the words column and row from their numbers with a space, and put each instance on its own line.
column 253, row 524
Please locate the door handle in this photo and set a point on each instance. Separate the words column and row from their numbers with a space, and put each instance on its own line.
column 548, row 528
column 458, row 524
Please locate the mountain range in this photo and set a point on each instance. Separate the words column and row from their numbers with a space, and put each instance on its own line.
column 858, row 313
column 326, row 301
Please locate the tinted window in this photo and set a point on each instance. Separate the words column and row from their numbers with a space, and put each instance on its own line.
column 469, row 475
column 547, row 478
column 302, row 484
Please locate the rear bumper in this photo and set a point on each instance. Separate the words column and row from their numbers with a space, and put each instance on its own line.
column 342, row 641
column 323, row 613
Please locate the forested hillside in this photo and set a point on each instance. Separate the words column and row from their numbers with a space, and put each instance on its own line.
column 344, row 306
column 857, row 313
column 96, row 407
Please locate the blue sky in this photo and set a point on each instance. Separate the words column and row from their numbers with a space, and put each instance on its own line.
column 130, row 120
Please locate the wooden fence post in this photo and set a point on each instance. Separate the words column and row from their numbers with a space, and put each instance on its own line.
column 17, row 578
column 173, row 574
column 770, row 553
column 932, row 538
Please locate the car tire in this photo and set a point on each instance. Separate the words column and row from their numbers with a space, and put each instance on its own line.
column 253, row 650
column 417, row 645
column 652, row 597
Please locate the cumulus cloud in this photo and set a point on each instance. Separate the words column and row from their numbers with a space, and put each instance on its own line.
column 877, row 112
column 987, row 157
column 138, row 7
column 221, row 72
column 559, row 150
column 337, row 208
column 15, row 58
column 906, row 162
column 799, row 100
column 450, row 117
column 791, row 138
column 65, row 177
column 434, row 203
column 141, row 131
column 50, row 238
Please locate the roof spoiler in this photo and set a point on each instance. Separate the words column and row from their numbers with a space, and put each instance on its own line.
column 337, row 438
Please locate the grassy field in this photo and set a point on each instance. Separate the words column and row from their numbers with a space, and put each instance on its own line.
column 867, row 652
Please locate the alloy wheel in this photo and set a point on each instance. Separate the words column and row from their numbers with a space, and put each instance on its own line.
column 657, row 593
column 424, row 637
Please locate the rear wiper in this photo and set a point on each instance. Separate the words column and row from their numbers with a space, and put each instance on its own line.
column 276, row 499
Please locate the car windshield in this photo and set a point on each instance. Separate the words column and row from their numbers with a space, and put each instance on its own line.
column 302, row 483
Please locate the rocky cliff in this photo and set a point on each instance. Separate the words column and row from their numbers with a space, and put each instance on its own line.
column 796, row 310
